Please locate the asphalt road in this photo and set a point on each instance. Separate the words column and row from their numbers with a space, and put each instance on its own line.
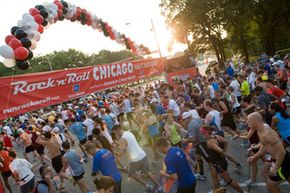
column 131, row 186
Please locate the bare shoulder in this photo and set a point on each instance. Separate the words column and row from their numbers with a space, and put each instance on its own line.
column 270, row 135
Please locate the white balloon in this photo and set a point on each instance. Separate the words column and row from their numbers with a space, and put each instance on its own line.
column 54, row 13
column 69, row 15
column 33, row 45
column 50, row 19
column 22, row 23
column 36, row 36
column 27, row 17
column 9, row 62
column 33, row 26
column 6, row 51
column 30, row 34
column 54, row 7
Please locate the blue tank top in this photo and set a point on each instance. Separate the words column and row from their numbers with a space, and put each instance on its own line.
column 74, row 163
column 283, row 126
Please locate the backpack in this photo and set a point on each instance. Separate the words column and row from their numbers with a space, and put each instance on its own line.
column 37, row 184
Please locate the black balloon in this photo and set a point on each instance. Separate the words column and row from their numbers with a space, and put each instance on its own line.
column 20, row 34
column 40, row 7
column 44, row 23
column 30, row 55
column 61, row 18
column 83, row 22
column 22, row 64
column 64, row 4
column 64, row 11
column 26, row 42
column 13, row 30
column 43, row 13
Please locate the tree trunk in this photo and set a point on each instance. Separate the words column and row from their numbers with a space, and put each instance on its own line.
column 244, row 46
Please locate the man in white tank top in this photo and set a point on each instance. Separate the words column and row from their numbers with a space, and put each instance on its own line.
column 138, row 158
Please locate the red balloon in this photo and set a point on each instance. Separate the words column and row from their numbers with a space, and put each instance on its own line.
column 9, row 38
column 78, row 12
column 21, row 53
column 38, row 19
column 15, row 43
column 89, row 22
column 58, row 4
column 40, row 28
column 33, row 11
column 88, row 16
column 59, row 12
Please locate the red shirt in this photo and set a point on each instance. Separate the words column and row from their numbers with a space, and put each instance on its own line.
column 7, row 142
column 275, row 91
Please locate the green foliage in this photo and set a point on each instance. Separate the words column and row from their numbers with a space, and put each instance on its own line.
column 69, row 59
column 252, row 26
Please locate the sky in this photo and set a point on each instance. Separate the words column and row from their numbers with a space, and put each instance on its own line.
column 65, row 34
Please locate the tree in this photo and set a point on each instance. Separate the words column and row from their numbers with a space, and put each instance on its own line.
column 200, row 19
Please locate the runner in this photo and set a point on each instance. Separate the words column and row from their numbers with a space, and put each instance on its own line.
column 21, row 170
column 271, row 143
column 79, row 130
column 138, row 158
column 104, row 184
column 213, row 151
column 177, row 166
column 72, row 161
column 5, row 170
column 104, row 163
column 53, row 147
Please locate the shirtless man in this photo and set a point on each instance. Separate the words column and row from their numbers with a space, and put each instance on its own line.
column 25, row 139
column 271, row 143
column 53, row 147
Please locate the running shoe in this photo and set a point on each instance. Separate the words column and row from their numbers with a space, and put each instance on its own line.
column 250, row 182
column 200, row 177
column 149, row 188
column 238, row 168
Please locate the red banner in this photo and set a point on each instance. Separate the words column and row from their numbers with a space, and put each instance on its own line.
column 24, row 93
column 181, row 74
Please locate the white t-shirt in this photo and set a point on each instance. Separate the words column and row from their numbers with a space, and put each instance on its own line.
column 115, row 118
column 127, row 106
column 8, row 130
column 236, row 86
column 216, row 116
column 23, row 169
column 194, row 114
column 90, row 126
column 211, row 91
column 174, row 107
column 134, row 150
column 64, row 115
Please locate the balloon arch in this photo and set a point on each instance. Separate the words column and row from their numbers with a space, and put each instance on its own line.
column 23, row 38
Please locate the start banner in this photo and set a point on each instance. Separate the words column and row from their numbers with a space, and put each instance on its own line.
column 24, row 93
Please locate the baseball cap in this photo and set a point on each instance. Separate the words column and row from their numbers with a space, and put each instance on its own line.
column 55, row 130
column 186, row 115
column 20, row 130
column 154, row 100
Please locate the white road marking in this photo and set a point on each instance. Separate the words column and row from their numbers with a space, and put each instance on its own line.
column 261, row 184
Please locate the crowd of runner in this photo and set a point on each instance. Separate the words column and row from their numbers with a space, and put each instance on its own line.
column 186, row 121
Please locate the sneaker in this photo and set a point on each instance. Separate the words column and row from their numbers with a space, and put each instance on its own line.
column 160, row 190
column 149, row 188
column 245, row 144
column 222, row 183
column 234, row 137
column 200, row 177
column 238, row 168
column 210, row 191
column 250, row 182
